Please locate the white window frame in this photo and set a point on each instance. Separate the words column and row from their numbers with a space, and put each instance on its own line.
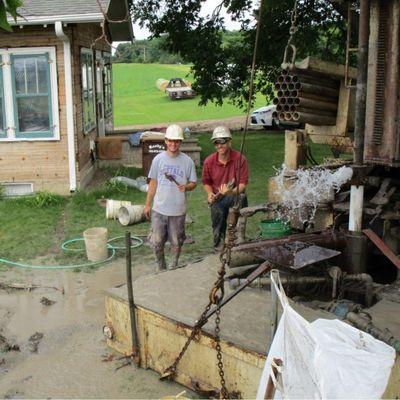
column 8, row 92
column 109, row 101
column 85, row 50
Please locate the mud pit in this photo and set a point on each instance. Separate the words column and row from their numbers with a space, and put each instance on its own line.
column 68, row 361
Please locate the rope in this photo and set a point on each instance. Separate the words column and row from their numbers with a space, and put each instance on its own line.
column 64, row 247
column 251, row 87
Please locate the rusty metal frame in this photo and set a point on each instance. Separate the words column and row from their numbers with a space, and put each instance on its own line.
column 382, row 246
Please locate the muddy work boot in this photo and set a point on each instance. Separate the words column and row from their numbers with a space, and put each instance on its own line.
column 175, row 253
column 160, row 260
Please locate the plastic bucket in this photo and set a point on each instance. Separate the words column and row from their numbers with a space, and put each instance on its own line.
column 274, row 228
column 128, row 215
column 113, row 206
column 96, row 243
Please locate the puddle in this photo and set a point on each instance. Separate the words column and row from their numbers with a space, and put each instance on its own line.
column 62, row 345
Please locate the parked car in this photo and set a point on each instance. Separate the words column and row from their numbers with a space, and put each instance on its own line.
column 263, row 117
column 178, row 88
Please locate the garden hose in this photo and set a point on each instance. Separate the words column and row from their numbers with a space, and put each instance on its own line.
column 64, row 246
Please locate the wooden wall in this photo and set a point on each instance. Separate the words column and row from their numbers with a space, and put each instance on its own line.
column 83, row 37
column 45, row 163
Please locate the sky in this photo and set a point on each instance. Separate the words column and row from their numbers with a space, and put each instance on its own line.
column 207, row 8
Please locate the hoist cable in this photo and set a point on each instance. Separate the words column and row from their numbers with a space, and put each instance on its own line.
column 251, row 88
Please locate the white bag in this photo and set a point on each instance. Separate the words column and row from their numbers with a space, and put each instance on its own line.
column 325, row 359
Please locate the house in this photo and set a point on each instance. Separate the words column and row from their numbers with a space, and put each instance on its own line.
column 56, row 91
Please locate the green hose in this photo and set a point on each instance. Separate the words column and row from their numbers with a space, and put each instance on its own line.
column 64, row 247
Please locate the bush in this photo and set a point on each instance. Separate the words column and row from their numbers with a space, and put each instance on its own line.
column 45, row 199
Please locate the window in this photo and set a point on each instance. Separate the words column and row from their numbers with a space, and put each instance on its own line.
column 3, row 131
column 28, row 95
column 88, row 103
column 107, row 84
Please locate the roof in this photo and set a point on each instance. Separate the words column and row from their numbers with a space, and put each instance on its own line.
column 38, row 12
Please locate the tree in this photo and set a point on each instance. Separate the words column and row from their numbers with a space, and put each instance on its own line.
column 146, row 51
column 222, row 69
column 8, row 7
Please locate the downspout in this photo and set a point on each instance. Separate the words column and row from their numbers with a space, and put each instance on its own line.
column 356, row 239
column 69, row 104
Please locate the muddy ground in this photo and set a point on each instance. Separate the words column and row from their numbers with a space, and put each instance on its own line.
column 57, row 327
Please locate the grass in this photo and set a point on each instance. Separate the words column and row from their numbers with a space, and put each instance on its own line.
column 138, row 101
column 33, row 230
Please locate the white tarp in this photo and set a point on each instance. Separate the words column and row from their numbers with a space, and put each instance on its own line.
column 325, row 359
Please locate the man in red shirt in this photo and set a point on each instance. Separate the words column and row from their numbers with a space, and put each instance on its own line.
column 224, row 172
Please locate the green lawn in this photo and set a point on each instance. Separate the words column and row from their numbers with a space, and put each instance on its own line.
column 138, row 101
column 30, row 232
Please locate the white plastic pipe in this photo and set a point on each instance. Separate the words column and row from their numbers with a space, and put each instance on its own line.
column 69, row 105
column 356, row 208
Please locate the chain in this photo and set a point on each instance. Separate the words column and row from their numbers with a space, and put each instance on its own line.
column 170, row 372
column 215, row 297
column 217, row 292
column 292, row 30
column 224, row 394
column 293, row 20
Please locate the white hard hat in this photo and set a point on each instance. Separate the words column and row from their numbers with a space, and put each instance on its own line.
column 221, row 132
column 174, row 132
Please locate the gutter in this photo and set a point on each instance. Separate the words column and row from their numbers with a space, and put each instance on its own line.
column 69, row 104
column 49, row 19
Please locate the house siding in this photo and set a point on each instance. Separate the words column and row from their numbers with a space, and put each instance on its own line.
column 83, row 37
column 45, row 163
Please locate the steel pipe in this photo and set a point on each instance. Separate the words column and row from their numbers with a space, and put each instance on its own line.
column 327, row 113
column 313, row 96
column 288, row 116
column 275, row 100
column 316, row 104
column 316, row 89
column 319, row 81
column 281, row 116
column 362, row 75
column 289, row 280
column 313, row 119
column 289, row 100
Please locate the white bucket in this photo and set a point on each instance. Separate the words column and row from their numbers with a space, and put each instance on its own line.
column 128, row 215
column 96, row 243
column 113, row 206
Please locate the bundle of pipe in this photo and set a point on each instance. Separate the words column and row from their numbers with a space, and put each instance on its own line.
column 306, row 97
